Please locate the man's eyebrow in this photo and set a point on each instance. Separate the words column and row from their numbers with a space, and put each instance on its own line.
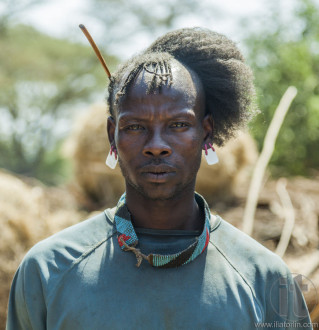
column 188, row 113
column 127, row 117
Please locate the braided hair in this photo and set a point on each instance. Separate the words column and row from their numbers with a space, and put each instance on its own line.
column 226, row 79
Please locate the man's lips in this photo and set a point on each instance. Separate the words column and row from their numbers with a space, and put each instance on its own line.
column 162, row 168
column 158, row 173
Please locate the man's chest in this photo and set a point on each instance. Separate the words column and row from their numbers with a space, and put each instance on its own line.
column 117, row 295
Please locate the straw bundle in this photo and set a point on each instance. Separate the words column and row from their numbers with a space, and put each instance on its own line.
column 28, row 214
column 88, row 147
column 221, row 181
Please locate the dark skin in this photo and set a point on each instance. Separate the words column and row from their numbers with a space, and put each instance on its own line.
column 159, row 139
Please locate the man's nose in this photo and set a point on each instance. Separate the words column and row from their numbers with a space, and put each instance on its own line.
column 156, row 146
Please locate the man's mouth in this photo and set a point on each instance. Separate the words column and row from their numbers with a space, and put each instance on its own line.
column 158, row 177
column 158, row 173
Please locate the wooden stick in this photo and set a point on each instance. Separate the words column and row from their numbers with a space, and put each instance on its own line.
column 96, row 49
column 265, row 155
column 289, row 216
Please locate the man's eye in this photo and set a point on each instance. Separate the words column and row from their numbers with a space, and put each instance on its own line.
column 134, row 127
column 179, row 125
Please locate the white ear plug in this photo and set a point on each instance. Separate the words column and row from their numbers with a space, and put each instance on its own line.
column 112, row 159
column 210, row 155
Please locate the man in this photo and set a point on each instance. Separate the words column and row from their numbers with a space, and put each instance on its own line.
column 188, row 91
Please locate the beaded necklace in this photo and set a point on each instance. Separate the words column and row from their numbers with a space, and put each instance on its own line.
column 128, row 240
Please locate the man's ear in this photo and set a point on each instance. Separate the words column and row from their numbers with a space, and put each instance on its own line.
column 110, row 127
column 208, row 126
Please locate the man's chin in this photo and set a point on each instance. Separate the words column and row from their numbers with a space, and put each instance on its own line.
column 158, row 192
column 159, row 196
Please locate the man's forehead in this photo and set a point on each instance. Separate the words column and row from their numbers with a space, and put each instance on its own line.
column 182, row 84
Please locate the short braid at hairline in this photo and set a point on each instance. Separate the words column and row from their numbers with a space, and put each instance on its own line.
column 227, row 81
column 158, row 64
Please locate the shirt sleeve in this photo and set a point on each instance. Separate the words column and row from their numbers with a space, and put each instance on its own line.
column 26, row 307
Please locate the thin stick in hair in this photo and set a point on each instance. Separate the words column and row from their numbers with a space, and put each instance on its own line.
column 95, row 48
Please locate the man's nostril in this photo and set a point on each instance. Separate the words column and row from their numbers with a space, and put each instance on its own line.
column 156, row 150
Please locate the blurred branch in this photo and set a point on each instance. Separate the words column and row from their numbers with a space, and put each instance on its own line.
column 314, row 265
column 263, row 160
column 288, row 213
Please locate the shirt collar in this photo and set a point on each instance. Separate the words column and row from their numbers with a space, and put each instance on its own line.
column 128, row 239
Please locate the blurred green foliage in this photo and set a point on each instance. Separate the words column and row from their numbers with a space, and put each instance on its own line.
column 42, row 82
column 283, row 53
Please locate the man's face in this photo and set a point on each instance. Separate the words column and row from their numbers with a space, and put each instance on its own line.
column 159, row 137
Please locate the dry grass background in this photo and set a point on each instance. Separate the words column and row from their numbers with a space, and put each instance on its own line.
column 29, row 211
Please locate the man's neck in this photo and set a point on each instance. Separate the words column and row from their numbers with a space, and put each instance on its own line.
column 179, row 213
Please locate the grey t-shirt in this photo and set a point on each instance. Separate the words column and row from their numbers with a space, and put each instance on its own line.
column 81, row 279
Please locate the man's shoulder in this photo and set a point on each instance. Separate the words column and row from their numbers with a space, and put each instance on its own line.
column 58, row 252
column 245, row 254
